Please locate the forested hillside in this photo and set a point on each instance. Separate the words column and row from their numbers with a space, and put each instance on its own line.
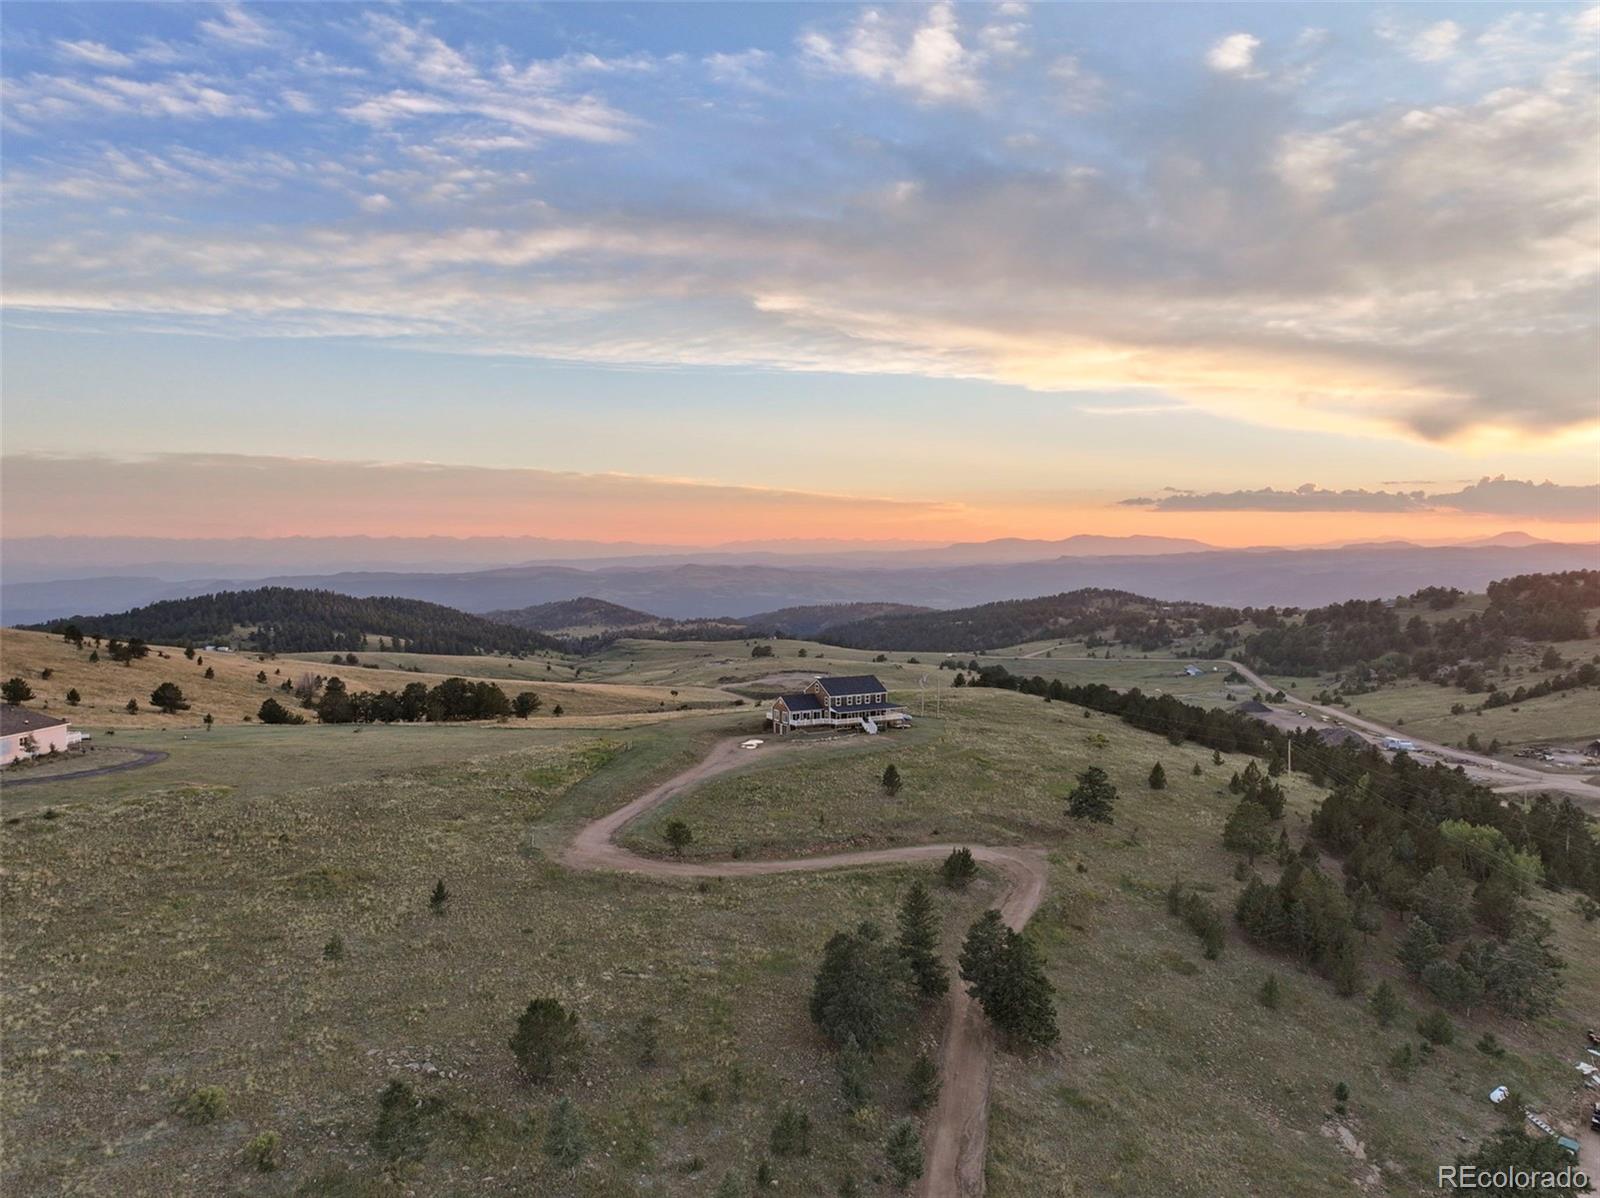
column 288, row 620
column 1092, row 614
column 809, row 619
column 583, row 612
column 1529, row 607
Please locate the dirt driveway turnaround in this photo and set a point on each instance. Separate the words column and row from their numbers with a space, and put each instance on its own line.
column 957, row 1131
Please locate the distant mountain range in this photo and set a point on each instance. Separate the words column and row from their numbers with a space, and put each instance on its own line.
column 714, row 588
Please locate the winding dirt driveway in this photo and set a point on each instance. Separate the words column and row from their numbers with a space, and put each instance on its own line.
column 956, row 1137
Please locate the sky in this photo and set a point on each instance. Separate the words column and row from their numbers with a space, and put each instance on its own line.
column 692, row 274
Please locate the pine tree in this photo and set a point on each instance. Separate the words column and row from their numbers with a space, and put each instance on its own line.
column 1418, row 947
column 565, row 1141
column 546, row 1039
column 1158, row 777
column 439, row 897
column 958, row 869
column 1216, row 756
column 862, row 989
column 1021, row 1000
column 891, row 780
column 1248, row 830
column 904, row 1150
column 16, row 690
column 1385, row 1006
column 980, row 952
column 1092, row 799
column 73, row 698
column 919, row 942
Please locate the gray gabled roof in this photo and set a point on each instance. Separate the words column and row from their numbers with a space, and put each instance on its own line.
column 853, row 684
column 15, row 720
column 801, row 702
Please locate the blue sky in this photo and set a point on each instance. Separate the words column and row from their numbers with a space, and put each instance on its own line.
column 1023, row 260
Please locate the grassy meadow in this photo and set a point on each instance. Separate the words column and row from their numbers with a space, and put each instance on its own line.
column 166, row 931
column 236, row 692
column 162, row 942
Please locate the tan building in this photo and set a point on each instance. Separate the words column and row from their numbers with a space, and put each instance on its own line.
column 43, row 733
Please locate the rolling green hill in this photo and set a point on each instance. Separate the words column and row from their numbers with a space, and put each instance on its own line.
column 289, row 620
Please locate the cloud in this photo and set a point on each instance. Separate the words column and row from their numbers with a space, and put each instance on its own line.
column 234, row 26
column 1307, row 498
column 1501, row 496
column 1234, row 54
column 186, row 96
column 445, row 82
column 1422, row 269
column 1438, row 41
column 741, row 69
column 196, row 494
column 95, row 54
column 1489, row 496
column 927, row 60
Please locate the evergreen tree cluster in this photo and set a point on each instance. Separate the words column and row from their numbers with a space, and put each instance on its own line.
column 1305, row 913
column 1004, row 971
column 451, row 701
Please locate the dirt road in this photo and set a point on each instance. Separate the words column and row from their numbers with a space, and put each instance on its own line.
column 956, row 1137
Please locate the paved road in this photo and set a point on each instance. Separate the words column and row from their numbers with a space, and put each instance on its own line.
column 956, row 1137
column 1504, row 777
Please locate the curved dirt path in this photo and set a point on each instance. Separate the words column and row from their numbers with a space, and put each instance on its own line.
column 143, row 758
column 956, row 1136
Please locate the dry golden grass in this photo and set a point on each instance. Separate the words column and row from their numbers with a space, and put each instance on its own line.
column 235, row 692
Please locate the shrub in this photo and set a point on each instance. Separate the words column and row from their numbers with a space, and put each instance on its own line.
column 261, row 1152
column 1271, row 993
column 1489, row 1044
column 904, row 1150
column 922, row 1083
column 891, row 780
column 547, row 1038
column 646, row 1041
column 204, row 1104
column 1384, row 1004
column 273, row 712
column 399, row 1133
column 565, row 1141
column 791, row 1134
column 1158, row 777
column 73, row 697
column 1436, row 1028
column 1341, row 1098
column 678, row 836
column 334, row 949
column 440, row 897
